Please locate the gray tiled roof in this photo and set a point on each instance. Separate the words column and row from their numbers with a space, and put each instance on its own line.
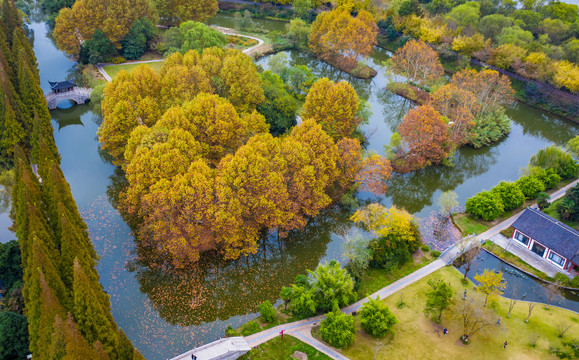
column 549, row 232
column 58, row 85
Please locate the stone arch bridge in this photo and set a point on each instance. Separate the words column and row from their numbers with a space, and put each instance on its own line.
column 77, row 94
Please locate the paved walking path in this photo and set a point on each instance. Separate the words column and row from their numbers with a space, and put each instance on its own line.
column 226, row 31
column 302, row 329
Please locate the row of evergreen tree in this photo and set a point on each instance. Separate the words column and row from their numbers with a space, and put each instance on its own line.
column 68, row 312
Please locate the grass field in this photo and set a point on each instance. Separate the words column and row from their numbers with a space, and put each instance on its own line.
column 469, row 225
column 419, row 338
column 278, row 349
column 113, row 70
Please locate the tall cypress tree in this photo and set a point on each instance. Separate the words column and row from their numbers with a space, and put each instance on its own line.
column 77, row 347
column 93, row 318
column 50, row 309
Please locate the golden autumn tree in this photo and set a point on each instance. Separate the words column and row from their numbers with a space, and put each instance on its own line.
column 383, row 221
column 459, row 106
column 375, row 172
column 334, row 105
column 418, row 62
column 491, row 89
column 173, row 12
column 114, row 18
column 426, row 134
column 338, row 36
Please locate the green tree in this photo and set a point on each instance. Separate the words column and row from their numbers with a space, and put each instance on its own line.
column 358, row 255
column 10, row 264
column 267, row 312
column 338, row 329
column 465, row 14
column 491, row 25
column 96, row 49
column 448, row 202
column 13, row 336
column 279, row 107
column 136, row 42
column 303, row 304
column 376, row 318
column 409, row 7
column 554, row 157
column 530, row 186
column 511, row 195
column 198, row 36
column 516, row 36
column 573, row 147
column 302, row 8
column 438, row 299
column 298, row 31
column 485, row 205
column 331, row 285
column 491, row 284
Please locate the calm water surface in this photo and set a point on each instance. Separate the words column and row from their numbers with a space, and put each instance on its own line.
column 164, row 313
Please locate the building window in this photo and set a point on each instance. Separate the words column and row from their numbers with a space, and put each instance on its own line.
column 522, row 238
column 538, row 249
column 556, row 259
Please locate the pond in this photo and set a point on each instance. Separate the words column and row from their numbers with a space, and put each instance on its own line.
column 520, row 285
column 165, row 314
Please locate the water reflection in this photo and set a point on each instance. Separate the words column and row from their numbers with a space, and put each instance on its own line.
column 217, row 290
column 520, row 285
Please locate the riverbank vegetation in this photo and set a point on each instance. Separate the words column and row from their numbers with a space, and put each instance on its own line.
column 467, row 111
column 545, row 171
column 67, row 310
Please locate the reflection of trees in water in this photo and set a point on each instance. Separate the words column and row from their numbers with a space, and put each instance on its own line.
column 540, row 124
column 394, row 108
column 413, row 191
column 321, row 69
column 216, row 289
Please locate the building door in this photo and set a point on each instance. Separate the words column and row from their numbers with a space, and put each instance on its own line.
column 538, row 249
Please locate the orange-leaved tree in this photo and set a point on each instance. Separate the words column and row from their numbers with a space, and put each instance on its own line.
column 114, row 18
column 418, row 62
column 459, row 106
column 426, row 134
column 338, row 36
column 334, row 105
column 375, row 171
column 491, row 89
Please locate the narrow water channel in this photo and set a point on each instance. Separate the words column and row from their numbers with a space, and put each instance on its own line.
column 165, row 314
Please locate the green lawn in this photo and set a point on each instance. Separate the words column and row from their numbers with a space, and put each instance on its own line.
column 376, row 279
column 417, row 337
column 113, row 70
column 469, row 225
column 552, row 211
column 278, row 349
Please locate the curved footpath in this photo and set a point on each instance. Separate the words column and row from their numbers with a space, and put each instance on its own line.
column 226, row 31
column 302, row 329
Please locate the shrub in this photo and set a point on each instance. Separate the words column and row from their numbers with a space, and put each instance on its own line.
column 338, row 329
column 554, row 157
column 485, row 205
column 376, row 318
column 250, row 327
column 510, row 194
column 574, row 283
column 425, row 248
column 435, row 254
column 543, row 200
column 267, row 311
column 230, row 332
column 118, row 60
column 531, row 186
column 561, row 279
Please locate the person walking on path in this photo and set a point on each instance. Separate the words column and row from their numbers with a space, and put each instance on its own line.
column 464, row 298
column 505, row 345
column 499, row 322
